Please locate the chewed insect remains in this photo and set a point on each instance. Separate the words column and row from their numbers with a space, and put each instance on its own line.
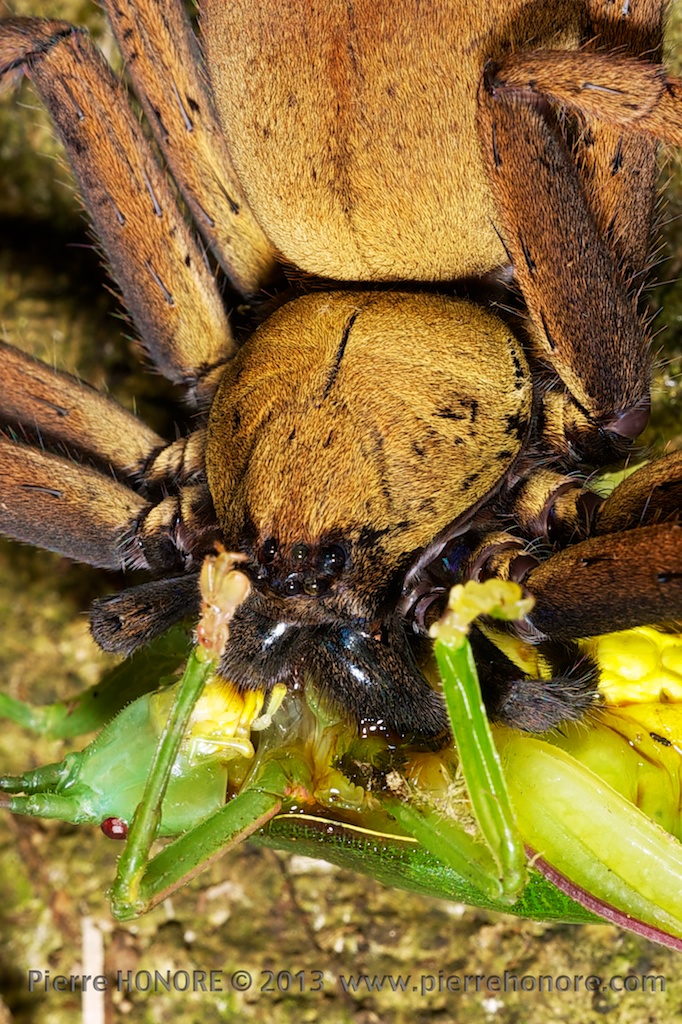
column 388, row 427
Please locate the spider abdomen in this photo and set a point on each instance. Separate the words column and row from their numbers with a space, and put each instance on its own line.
column 353, row 127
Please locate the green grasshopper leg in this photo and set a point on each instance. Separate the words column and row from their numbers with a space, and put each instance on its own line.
column 496, row 865
column 142, row 883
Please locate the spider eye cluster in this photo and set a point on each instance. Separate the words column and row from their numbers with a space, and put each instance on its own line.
column 299, row 569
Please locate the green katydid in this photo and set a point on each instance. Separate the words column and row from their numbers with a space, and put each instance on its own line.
column 452, row 823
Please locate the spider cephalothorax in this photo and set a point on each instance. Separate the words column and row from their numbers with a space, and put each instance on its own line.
column 382, row 436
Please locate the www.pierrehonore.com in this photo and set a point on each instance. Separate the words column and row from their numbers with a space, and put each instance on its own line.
column 293, row 982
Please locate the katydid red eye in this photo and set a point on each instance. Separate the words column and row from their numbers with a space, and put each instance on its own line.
column 115, row 828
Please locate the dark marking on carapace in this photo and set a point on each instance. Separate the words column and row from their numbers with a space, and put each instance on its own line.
column 473, row 406
column 427, row 506
column 516, row 426
column 379, row 458
column 370, row 535
column 519, row 372
column 448, row 413
column 338, row 358
column 469, row 481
